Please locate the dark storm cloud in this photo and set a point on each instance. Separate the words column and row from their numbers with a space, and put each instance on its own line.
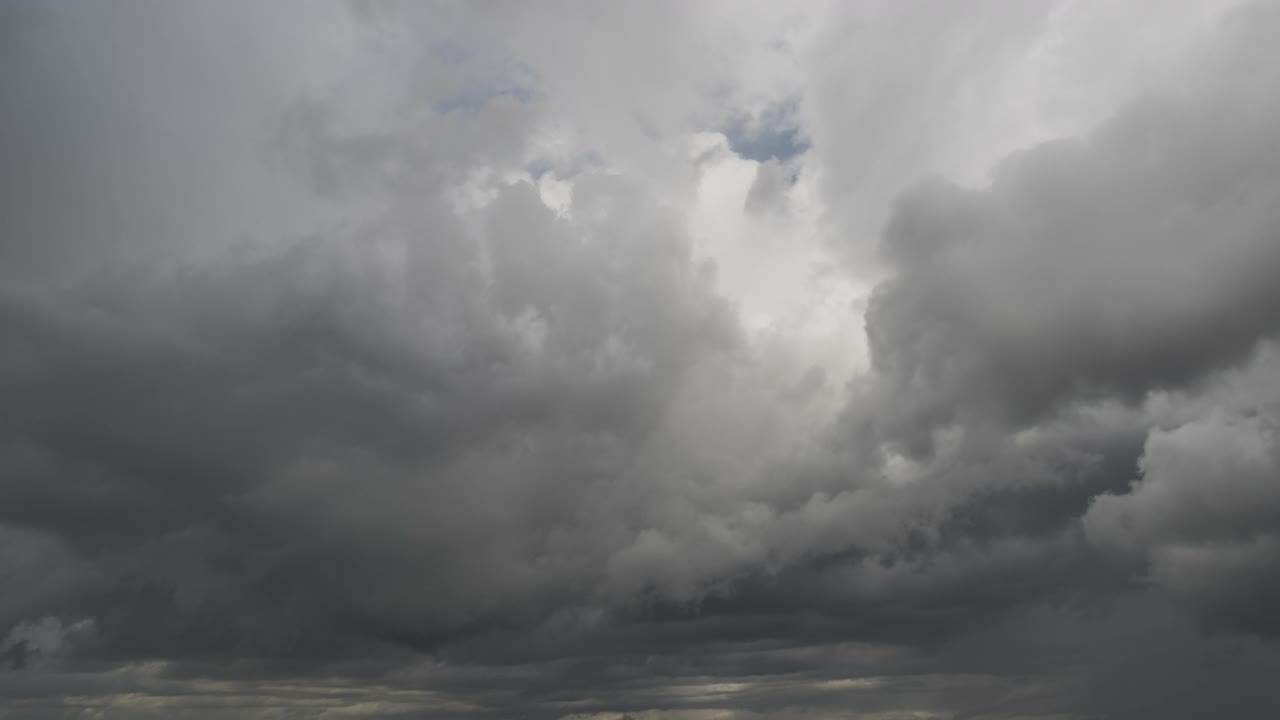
column 1139, row 257
column 1205, row 513
column 371, row 435
column 312, row 427
column 438, row 438
column 1136, row 260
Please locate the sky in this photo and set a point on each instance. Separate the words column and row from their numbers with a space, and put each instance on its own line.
column 663, row 360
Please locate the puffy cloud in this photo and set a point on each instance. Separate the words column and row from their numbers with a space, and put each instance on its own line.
column 1203, row 516
column 490, row 360
column 1134, row 259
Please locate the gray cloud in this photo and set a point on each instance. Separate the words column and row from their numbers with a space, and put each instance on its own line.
column 317, row 402
column 1137, row 258
column 1202, row 517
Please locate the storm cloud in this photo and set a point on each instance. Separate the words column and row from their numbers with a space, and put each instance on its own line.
column 661, row 360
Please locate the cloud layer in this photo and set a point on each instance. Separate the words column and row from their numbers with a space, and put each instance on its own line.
column 499, row 361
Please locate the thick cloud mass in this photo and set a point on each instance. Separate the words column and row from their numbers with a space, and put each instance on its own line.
column 458, row 360
column 1138, row 258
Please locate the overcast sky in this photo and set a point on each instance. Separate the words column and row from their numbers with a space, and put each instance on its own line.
column 687, row 360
